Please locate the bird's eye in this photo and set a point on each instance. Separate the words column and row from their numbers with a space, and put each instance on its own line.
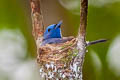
column 49, row 30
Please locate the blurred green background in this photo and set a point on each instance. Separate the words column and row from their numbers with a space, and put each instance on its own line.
column 17, row 46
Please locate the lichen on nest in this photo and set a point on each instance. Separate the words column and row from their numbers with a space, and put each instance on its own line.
column 57, row 58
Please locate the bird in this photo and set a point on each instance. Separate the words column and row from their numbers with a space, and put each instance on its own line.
column 52, row 35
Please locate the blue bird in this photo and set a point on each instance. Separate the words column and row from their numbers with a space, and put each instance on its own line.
column 52, row 35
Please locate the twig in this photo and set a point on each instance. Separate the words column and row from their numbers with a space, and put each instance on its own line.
column 81, row 45
column 95, row 42
column 37, row 19
column 83, row 17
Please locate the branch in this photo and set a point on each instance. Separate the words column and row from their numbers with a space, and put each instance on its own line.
column 81, row 44
column 83, row 18
column 82, row 31
column 37, row 19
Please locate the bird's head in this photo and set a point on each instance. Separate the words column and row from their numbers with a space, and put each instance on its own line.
column 53, row 31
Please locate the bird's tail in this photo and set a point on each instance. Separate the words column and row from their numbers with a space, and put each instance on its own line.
column 95, row 42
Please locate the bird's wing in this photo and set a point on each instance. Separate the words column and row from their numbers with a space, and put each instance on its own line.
column 56, row 40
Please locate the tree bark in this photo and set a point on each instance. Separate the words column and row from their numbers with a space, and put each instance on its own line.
column 81, row 44
column 37, row 19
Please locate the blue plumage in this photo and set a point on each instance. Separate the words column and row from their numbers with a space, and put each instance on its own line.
column 52, row 34
column 53, row 31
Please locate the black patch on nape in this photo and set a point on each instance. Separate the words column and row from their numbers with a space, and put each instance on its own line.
column 55, row 26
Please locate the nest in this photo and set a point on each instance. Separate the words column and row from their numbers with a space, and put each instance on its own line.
column 55, row 52
column 57, row 58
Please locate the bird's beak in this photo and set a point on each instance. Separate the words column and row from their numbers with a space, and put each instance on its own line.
column 59, row 24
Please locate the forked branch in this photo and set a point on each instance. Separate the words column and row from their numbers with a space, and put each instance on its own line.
column 60, row 60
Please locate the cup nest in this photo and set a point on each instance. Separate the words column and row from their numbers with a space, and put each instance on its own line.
column 57, row 53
